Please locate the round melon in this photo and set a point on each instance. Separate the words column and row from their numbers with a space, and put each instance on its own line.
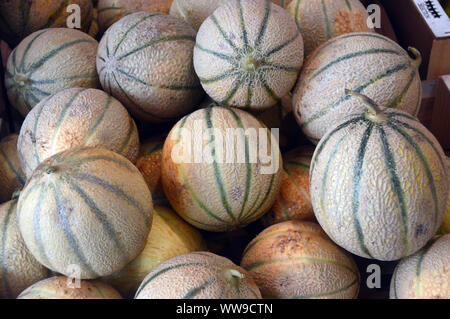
column 167, row 86
column 367, row 63
column 195, row 12
column 111, row 11
column 321, row 20
column 424, row 275
column 294, row 199
column 19, row 18
column 12, row 178
column 243, row 59
column 198, row 275
column 445, row 228
column 64, row 288
column 296, row 260
column 48, row 61
column 379, row 183
column 149, row 164
column 86, row 207
column 73, row 118
column 94, row 28
column 170, row 236
column 18, row 268
column 227, row 181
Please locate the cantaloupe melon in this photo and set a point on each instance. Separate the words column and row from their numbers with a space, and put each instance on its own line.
column 198, row 275
column 379, row 183
column 76, row 118
column 296, row 259
column 48, row 61
column 19, row 18
column 195, row 12
column 64, row 288
column 321, row 20
column 12, row 177
column 248, row 54
column 111, row 11
column 149, row 164
column 294, row 199
column 367, row 63
column 213, row 170
column 18, row 268
column 86, row 207
column 170, row 236
column 167, row 86
column 424, row 275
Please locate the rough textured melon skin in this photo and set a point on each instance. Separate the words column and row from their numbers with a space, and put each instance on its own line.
column 424, row 275
column 11, row 176
column 111, row 11
column 58, row 288
column 88, row 207
column 243, row 59
column 19, row 269
column 19, row 18
column 379, row 190
column 321, row 20
column 48, row 61
column 198, row 275
column 170, row 236
column 365, row 62
column 167, row 87
column 149, row 164
column 294, row 199
column 226, row 194
column 76, row 118
column 195, row 12
column 296, row 259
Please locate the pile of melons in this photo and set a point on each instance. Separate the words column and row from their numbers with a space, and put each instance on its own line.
column 96, row 203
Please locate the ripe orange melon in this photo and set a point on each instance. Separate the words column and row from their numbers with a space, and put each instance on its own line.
column 111, row 11
column 294, row 199
column 87, row 207
column 170, row 236
column 48, row 61
column 243, row 59
column 321, row 20
column 76, row 118
column 198, row 275
column 149, row 164
column 167, row 86
column 424, row 275
column 94, row 28
column 63, row 288
column 379, row 183
column 20, row 18
column 18, row 268
column 296, row 259
column 12, row 178
column 367, row 63
column 222, row 183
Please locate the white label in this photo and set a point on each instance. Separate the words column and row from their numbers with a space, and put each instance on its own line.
column 435, row 16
